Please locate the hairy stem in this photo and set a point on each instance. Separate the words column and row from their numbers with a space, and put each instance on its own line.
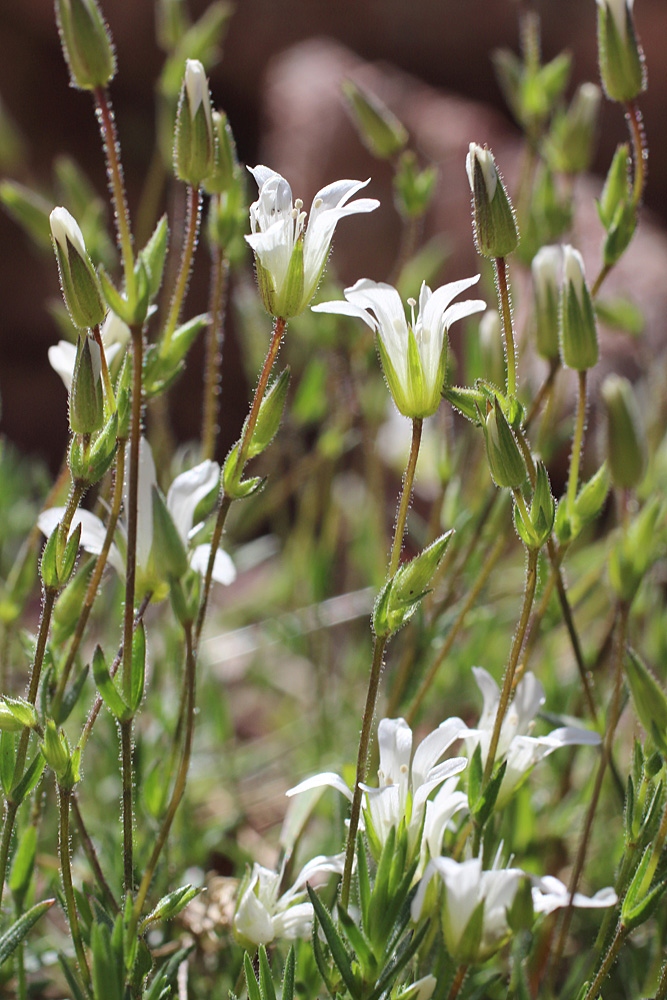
column 105, row 118
column 577, row 444
column 639, row 149
column 408, row 480
column 508, row 329
column 180, row 288
column 64, row 796
column 213, row 359
column 609, row 959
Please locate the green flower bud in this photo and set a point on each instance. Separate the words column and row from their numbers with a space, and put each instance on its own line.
column 616, row 190
column 626, row 443
column 569, row 146
column 649, row 699
column 620, row 55
column 400, row 597
column 413, row 188
column 536, row 532
column 8, row 721
column 496, row 234
column 545, row 269
column 86, row 398
column 59, row 557
column 78, row 280
column 502, row 451
column 86, row 43
column 55, row 749
column 169, row 556
column 194, row 146
column 270, row 414
column 578, row 331
column 226, row 170
column 379, row 129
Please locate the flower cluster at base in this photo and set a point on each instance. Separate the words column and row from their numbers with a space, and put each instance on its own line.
column 414, row 356
column 290, row 256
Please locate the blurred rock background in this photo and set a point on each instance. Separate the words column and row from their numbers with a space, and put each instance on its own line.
column 285, row 108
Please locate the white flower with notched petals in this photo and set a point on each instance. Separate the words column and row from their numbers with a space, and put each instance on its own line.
column 520, row 750
column 183, row 497
column 263, row 914
column 414, row 355
column 290, row 253
column 403, row 787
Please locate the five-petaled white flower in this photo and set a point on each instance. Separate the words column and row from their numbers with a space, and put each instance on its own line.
column 185, row 493
column 404, row 787
column 520, row 750
column 263, row 913
column 414, row 356
column 290, row 256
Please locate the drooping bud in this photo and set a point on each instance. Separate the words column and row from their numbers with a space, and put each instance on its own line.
column 496, row 233
column 194, row 146
column 570, row 141
column 504, row 457
column 578, row 331
column 546, row 267
column 86, row 43
column 626, row 443
column 86, row 399
column 620, row 55
column 78, row 279
column 379, row 129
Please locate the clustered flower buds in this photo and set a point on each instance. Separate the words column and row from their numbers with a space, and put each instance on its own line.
column 496, row 234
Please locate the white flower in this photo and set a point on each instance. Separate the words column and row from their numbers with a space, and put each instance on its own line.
column 413, row 355
column 520, row 750
column 289, row 255
column 262, row 914
column 185, row 493
column 550, row 894
column 466, row 885
column 196, row 86
column 403, row 787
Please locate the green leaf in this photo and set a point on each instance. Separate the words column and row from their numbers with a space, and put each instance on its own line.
column 621, row 314
column 72, row 978
column 404, row 955
column 7, row 760
column 288, row 975
column 363, row 881
column 29, row 779
column 72, row 696
column 108, row 690
column 322, row 966
column 266, row 986
column 172, row 904
column 251, row 981
column 12, row 937
column 23, row 864
column 138, row 666
column 154, row 254
column 338, row 950
column 362, row 948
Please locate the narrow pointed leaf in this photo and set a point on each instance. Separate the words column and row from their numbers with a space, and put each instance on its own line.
column 12, row 937
column 266, row 985
column 338, row 950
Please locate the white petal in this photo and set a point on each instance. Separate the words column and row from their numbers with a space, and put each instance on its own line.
column 461, row 310
column 294, row 922
column 431, row 749
column 323, row 864
column 437, row 775
column 252, row 919
column 528, row 700
column 343, row 308
column 395, row 742
column 326, row 778
column 64, row 227
column 385, row 302
column 62, row 357
column 187, row 491
column 224, row 570
column 490, row 696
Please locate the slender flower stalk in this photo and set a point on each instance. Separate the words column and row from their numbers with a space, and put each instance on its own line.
column 105, row 118
column 609, row 959
column 458, row 982
column 502, row 288
column 225, row 501
column 640, row 150
column 404, row 505
column 64, row 796
column 213, row 358
column 189, row 246
column 577, row 442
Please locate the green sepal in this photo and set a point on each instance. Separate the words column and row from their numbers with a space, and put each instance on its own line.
column 103, row 450
column 626, row 441
column 13, row 936
column 23, row 865
column 636, row 550
column 504, row 457
column 7, row 760
column 138, row 670
column 400, row 596
column 24, row 713
column 469, row 402
column 233, row 485
column 541, row 513
column 225, row 178
column 379, row 129
column 131, row 312
column 649, row 699
column 153, row 256
column 338, row 951
column 616, row 190
column 57, row 563
column 521, row 914
column 469, row 944
column 486, row 800
column 86, row 399
column 105, row 685
column 55, row 749
column 578, row 333
column 622, row 67
column 28, row 779
column 395, row 388
column 86, row 43
column 68, row 607
column 496, row 233
column 640, row 903
column 171, row 904
column 291, row 301
column 415, row 379
column 270, row 414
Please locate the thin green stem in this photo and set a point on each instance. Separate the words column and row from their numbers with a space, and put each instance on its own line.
column 476, row 589
column 213, row 358
column 458, row 981
column 362, row 761
column 517, row 644
column 577, row 444
column 508, row 328
column 609, row 959
column 612, row 722
column 64, row 796
column 91, row 592
column 180, row 288
column 179, row 783
column 404, row 505
column 225, row 501
column 105, row 118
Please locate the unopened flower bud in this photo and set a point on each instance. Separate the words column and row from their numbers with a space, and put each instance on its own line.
column 86, row 43
column 86, row 400
column 626, row 444
column 496, row 233
column 578, row 330
column 546, row 268
column 194, row 147
column 570, row 142
column 379, row 129
column 649, row 699
column 55, row 749
column 620, row 55
column 504, row 457
column 226, row 170
column 78, row 280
